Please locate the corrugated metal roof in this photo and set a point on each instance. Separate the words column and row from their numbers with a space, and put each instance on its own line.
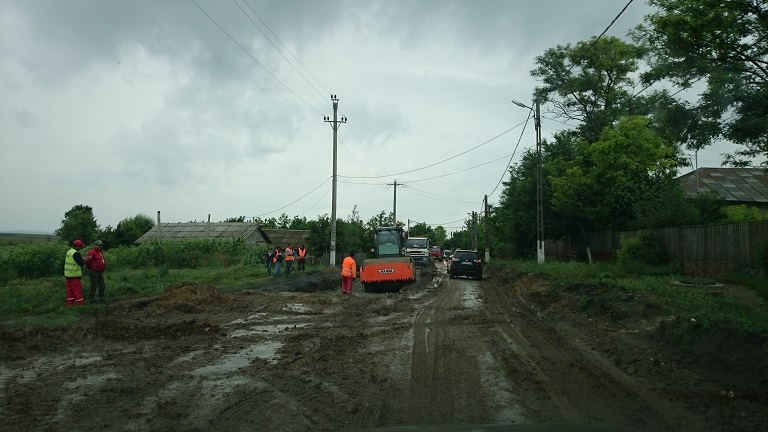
column 249, row 232
column 738, row 185
column 283, row 238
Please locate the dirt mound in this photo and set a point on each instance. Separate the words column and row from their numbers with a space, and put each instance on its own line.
column 716, row 348
column 189, row 291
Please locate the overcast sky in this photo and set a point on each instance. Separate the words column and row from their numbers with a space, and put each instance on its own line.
column 134, row 107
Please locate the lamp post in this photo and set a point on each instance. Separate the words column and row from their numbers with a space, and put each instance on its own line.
column 539, row 188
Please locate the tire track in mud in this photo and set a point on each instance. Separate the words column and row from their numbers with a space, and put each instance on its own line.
column 564, row 380
column 445, row 384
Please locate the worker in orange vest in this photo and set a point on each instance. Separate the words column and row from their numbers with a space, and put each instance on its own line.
column 289, row 256
column 348, row 273
column 302, row 257
column 277, row 260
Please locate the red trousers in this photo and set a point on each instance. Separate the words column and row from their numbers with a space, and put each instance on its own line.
column 346, row 284
column 74, row 291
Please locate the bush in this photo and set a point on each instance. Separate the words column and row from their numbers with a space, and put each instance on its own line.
column 32, row 260
column 643, row 248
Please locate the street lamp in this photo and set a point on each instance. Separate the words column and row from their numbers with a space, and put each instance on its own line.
column 539, row 189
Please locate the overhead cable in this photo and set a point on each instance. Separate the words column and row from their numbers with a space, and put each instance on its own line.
column 297, row 200
column 254, row 59
column 444, row 160
column 506, row 169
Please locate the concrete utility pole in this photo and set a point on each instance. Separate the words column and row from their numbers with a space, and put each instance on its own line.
column 394, row 204
column 539, row 191
column 487, row 229
column 539, row 187
column 335, row 123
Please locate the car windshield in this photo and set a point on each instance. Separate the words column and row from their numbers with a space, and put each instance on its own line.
column 435, row 248
column 416, row 243
column 465, row 255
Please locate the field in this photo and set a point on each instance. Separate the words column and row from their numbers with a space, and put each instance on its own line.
column 13, row 238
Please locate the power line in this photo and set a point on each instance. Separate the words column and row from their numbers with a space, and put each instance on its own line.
column 443, row 224
column 432, row 196
column 254, row 58
column 464, row 170
column 442, row 161
column 440, row 195
column 289, row 51
column 318, row 200
column 366, row 152
column 297, row 200
column 273, row 45
column 603, row 33
column 513, row 154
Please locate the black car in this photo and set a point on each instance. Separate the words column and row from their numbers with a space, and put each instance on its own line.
column 466, row 263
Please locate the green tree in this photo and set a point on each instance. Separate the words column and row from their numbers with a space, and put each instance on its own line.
column 235, row 219
column 599, row 188
column 725, row 44
column 130, row 229
column 78, row 223
column 439, row 235
column 319, row 239
column 421, row 229
column 742, row 213
column 590, row 82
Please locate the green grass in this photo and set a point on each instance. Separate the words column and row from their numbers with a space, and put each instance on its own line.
column 40, row 301
column 655, row 283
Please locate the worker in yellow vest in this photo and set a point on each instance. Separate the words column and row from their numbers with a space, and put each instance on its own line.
column 348, row 273
column 73, row 273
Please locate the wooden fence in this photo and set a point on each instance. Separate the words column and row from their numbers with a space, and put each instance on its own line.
column 700, row 250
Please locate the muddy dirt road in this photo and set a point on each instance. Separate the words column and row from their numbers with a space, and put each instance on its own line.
column 448, row 352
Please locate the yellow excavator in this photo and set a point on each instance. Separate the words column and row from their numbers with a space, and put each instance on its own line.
column 390, row 271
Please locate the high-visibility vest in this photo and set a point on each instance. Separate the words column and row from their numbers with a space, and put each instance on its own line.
column 348, row 267
column 302, row 252
column 288, row 254
column 71, row 267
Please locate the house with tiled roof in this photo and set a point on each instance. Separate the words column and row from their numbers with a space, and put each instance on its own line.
column 251, row 233
column 748, row 186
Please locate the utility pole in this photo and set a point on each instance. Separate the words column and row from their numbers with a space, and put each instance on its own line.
column 539, row 187
column 487, row 229
column 539, row 191
column 394, row 204
column 335, row 123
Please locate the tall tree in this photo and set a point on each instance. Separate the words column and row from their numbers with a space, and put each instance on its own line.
column 598, row 189
column 590, row 82
column 78, row 223
column 724, row 43
column 130, row 229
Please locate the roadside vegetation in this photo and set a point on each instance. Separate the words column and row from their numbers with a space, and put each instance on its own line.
column 32, row 287
column 734, row 300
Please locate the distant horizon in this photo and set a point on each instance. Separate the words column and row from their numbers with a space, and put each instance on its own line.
column 28, row 232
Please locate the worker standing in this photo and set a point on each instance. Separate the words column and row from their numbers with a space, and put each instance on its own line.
column 73, row 272
column 348, row 273
column 277, row 261
column 96, row 264
column 302, row 257
column 289, row 256
column 268, row 256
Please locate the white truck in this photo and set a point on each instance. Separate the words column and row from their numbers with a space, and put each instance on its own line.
column 418, row 249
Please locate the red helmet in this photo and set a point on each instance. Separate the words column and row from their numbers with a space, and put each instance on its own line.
column 78, row 242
